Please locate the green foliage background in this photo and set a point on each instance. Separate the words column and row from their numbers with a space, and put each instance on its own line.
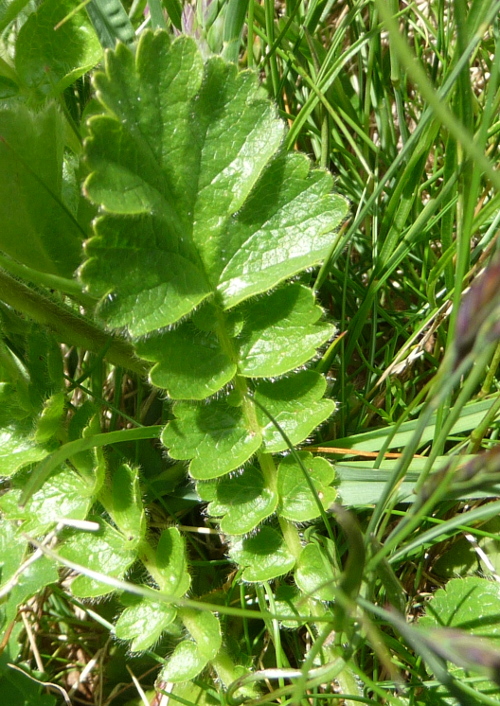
column 175, row 272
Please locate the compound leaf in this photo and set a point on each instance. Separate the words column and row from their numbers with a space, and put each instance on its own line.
column 265, row 555
column 272, row 335
column 215, row 436
column 295, row 403
column 198, row 200
column 243, row 501
column 143, row 623
column 105, row 551
column 297, row 501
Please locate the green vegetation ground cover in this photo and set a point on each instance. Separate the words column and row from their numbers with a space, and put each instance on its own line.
column 248, row 357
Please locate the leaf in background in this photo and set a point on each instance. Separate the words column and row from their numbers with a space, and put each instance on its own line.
column 288, row 600
column 197, row 203
column 185, row 663
column 171, row 563
column 50, row 423
column 264, row 555
column 189, row 658
column 243, row 501
column 123, row 501
column 472, row 605
column 213, row 435
column 143, row 622
column 314, row 573
column 272, row 335
column 31, row 156
column 105, row 551
column 296, row 404
column 297, row 502
column 111, row 22
column 50, row 60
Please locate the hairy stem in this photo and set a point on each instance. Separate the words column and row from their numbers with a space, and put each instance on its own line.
column 67, row 326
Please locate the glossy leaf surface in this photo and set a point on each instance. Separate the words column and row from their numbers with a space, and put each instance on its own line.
column 198, row 200
column 296, row 404
column 242, row 501
column 297, row 501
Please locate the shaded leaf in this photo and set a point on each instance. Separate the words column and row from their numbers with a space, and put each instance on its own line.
column 215, row 436
column 51, row 60
column 242, row 501
column 31, row 148
column 264, row 555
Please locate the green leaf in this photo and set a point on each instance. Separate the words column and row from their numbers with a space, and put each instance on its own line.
column 64, row 495
column 198, row 202
column 204, row 627
column 171, row 563
column 34, row 578
column 12, row 550
column 190, row 658
column 215, row 436
column 143, row 623
column 472, row 605
column 105, row 551
column 281, row 332
column 314, row 573
column 123, row 501
column 295, row 403
column 243, row 501
column 297, row 502
column 191, row 363
column 49, row 60
column 264, row 555
column 17, row 450
column 288, row 600
column 31, row 148
column 50, row 422
column 273, row 335
column 185, row 663
column 111, row 22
